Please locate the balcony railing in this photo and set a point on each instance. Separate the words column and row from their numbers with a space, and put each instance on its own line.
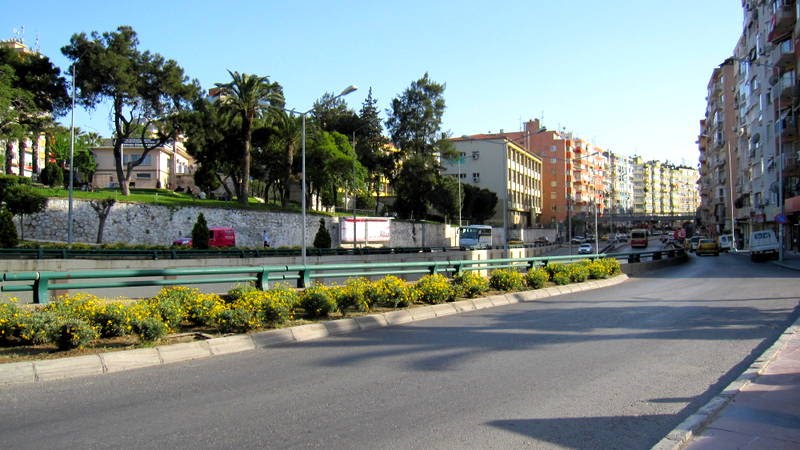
column 782, row 22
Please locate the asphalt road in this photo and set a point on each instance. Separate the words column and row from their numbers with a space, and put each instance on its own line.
column 612, row 368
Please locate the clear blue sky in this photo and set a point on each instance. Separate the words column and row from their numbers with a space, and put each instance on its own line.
column 629, row 76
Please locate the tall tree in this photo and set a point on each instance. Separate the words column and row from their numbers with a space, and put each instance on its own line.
column 371, row 146
column 58, row 143
column 287, row 139
column 330, row 113
column 332, row 165
column 479, row 204
column 414, row 125
column 46, row 97
column 249, row 97
column 146, row 91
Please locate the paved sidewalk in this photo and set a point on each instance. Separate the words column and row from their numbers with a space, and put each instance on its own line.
column 760, row 410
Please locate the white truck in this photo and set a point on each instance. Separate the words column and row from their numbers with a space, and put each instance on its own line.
column 763, row 245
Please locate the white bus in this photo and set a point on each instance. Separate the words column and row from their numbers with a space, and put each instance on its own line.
column 475, row 236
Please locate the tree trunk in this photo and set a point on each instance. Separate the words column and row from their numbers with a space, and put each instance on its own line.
column 21, row 160
column 35, row 158
column 103, row 209
column 9, row 157
column 247, row 125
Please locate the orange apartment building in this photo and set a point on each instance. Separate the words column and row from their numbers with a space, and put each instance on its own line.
column 573, row 172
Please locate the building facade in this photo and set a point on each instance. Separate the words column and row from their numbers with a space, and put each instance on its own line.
column 165, row 167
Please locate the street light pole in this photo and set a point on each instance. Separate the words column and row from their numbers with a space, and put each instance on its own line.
column 71, row 160
column 346, row 91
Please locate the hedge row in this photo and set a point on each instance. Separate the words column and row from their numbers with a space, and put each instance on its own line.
column 77, row 320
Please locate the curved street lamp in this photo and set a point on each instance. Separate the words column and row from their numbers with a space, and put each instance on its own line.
column 303, row 115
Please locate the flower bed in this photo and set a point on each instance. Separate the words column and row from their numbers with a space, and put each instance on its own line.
column 85, row 323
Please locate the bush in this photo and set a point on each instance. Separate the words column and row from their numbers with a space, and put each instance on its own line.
column 612, row 265
column 578, row 272
column 112, row 320
column 537, row 277
column 561, row 278
column 597, row 270
column 317, row 301
column 9, row 313
column 202, row 309
column 35, row 327
column 434, row 288
column 235, row 320
column 73, row 333
column 200, row 233
column 52, row 175
column 470, row 284
column 353, row 295
column 150, row 329
column 278, row 307
column 8, row 231
column 507, row 280
column 390, row 291
column 559, row 273
column 168, row 305
column 323, row 238
column 240, row 290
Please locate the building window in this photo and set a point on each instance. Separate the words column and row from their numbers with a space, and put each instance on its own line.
column 142, row 176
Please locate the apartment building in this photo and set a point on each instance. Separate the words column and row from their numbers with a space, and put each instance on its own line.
column 757, row 142
column 496, row 163
column 619, row 184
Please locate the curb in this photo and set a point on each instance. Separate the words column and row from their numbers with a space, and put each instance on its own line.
column 697, row 422
column 110, row 362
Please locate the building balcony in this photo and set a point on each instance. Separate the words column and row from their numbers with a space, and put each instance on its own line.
column 788, row 128
column 782, row 21
column 783, row 56
column 787, row 86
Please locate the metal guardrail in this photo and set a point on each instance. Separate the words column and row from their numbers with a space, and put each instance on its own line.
column 183, row 253
column 40, row 283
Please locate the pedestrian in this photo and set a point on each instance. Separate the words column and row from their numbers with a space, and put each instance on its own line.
column 267, row 242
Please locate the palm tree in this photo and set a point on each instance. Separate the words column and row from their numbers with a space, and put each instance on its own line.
column 249, row 97
column 288, row 132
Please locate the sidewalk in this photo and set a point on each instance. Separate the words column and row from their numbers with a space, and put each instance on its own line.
column 760, row 410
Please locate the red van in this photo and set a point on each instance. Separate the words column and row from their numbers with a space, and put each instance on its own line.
column 219, row 237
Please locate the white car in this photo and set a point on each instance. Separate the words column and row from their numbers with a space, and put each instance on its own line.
column 585, row 249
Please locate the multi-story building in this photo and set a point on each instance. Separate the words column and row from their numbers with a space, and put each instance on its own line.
column 165, row 167
column 749, row 152
column 496, row 163
column 619, row 184
column 23, row 156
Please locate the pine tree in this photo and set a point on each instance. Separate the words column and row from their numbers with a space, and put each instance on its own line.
column 200, row 233
column 323, row 238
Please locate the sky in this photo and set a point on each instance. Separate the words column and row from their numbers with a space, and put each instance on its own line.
column 629, row 76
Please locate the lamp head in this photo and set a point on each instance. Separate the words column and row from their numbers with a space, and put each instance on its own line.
column 348, row 90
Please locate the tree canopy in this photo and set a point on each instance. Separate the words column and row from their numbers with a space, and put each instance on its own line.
column 146, row 91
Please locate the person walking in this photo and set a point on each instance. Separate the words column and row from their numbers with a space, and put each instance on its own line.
column 267, row 242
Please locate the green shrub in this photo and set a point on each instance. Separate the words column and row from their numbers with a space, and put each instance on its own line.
column 235, row 320
column 52, row 175
column 433, row 289
column 597, row 270
column 353, row 295
column 322, row 238
column 470, row 284
column 578, row 272
column 112, row 320
column 35, row 327
column 278, row 307
column 8, row 231
column 9, row 313
column 561, row 278
column 240, row 290
column 390, row 291
column 73, row 333
column 537, row 277
column 507, row 280
column 317, row 301
column 202, row 309
column 612, row 265
column 168, row 305
column 200, row 233
column 150, row 329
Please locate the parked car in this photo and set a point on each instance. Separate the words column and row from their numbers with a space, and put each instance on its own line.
column 763, row 245
column 691, row 243
column 219, row 237
column 542, row 240
column 585, row 249
column 621, row 237
column 725, row 242
column 578, row 239
column 707, row 247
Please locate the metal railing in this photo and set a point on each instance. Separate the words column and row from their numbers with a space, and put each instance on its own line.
column 41, row 283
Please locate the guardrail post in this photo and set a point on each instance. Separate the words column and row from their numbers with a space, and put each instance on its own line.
column 40, row 293
column 459, row 268
column 262, row 280
column 656, row 256
column 305, row 277
column 432, row 269
column 633, row 258
column 531, row 264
